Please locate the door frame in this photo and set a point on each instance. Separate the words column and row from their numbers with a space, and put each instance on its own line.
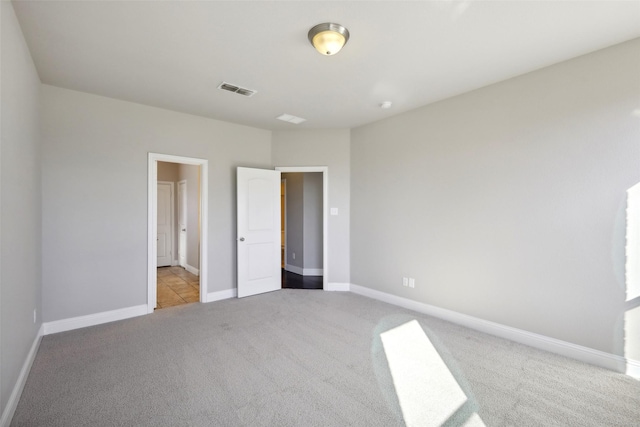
column 325, row 207
column 171, row 220
column 283, row 181
column 152, row 219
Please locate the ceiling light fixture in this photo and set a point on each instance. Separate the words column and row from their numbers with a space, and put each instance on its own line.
column 328, row 38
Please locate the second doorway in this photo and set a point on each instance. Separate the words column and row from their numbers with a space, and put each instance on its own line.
column 302, row 223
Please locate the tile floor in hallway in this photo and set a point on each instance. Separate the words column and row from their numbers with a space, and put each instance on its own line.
column 177, row 286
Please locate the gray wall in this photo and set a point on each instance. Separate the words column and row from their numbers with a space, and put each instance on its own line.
column 329, row 148
column 295, row 219
column 507, row 203
column 312, row 220
column 20, row 195
column 95, row 221
column 191, row 174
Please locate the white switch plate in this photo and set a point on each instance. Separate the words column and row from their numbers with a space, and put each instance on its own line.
column 334, row 211
column 412, row 282
column 405, row 281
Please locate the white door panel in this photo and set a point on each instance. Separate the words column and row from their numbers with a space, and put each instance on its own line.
column 164, row 230
column 258, row 231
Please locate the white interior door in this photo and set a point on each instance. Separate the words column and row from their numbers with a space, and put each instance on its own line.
column 182, row 223
column 258, row 231
column 164, row 235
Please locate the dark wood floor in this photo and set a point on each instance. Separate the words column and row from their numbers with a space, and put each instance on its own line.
column 297, row 281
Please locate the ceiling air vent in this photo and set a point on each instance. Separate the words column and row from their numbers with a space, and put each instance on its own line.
column 237, row 89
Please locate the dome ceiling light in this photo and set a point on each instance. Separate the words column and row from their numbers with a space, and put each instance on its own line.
column 328, row 38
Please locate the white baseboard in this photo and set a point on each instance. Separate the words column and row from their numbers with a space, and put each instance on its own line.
column 12, row 403
column 192, row 270
column 293, row 269
column 303, row 271
column 633, row 368
column 564, row 348
column 339, row 287
column 220, row 295
column 94, row 319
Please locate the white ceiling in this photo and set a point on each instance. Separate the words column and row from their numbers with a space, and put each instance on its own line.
column 174, row 54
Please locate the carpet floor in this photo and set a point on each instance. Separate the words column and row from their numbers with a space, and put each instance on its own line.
column 309, row 358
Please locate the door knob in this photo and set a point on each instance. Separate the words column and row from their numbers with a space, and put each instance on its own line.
column 241, row 239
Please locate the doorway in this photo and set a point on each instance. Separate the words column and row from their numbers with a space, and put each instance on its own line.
column 195, row 220
column 302, row 236
column 304, row 242
column 258, row 232
column 178, row 263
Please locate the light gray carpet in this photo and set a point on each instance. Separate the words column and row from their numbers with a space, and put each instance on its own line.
column 299, row 358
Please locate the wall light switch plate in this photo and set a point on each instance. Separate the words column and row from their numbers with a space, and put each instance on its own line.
column 412, row 282
column 334, row 211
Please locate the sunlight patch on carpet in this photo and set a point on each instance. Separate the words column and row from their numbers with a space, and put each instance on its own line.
column 428, row 393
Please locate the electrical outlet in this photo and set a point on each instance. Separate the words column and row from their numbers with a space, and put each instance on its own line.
column 405, row 281
column 412, row 282
column 293, row 255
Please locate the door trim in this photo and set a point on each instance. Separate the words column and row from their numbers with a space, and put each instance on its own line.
column 325, row 207
column 283, row 181
column 152, row 226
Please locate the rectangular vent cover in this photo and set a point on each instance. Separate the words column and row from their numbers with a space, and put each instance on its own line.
column 291, row 119
column 237, row 89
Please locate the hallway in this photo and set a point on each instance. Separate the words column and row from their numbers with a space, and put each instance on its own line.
column 176, row 286
column 296, row 281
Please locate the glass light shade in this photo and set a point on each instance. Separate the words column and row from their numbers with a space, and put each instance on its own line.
column 328, row 38
column 328, row 42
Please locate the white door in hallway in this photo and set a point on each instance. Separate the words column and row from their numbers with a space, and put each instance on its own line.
column 258, row 231
column 182, row 223
column 164, row 234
